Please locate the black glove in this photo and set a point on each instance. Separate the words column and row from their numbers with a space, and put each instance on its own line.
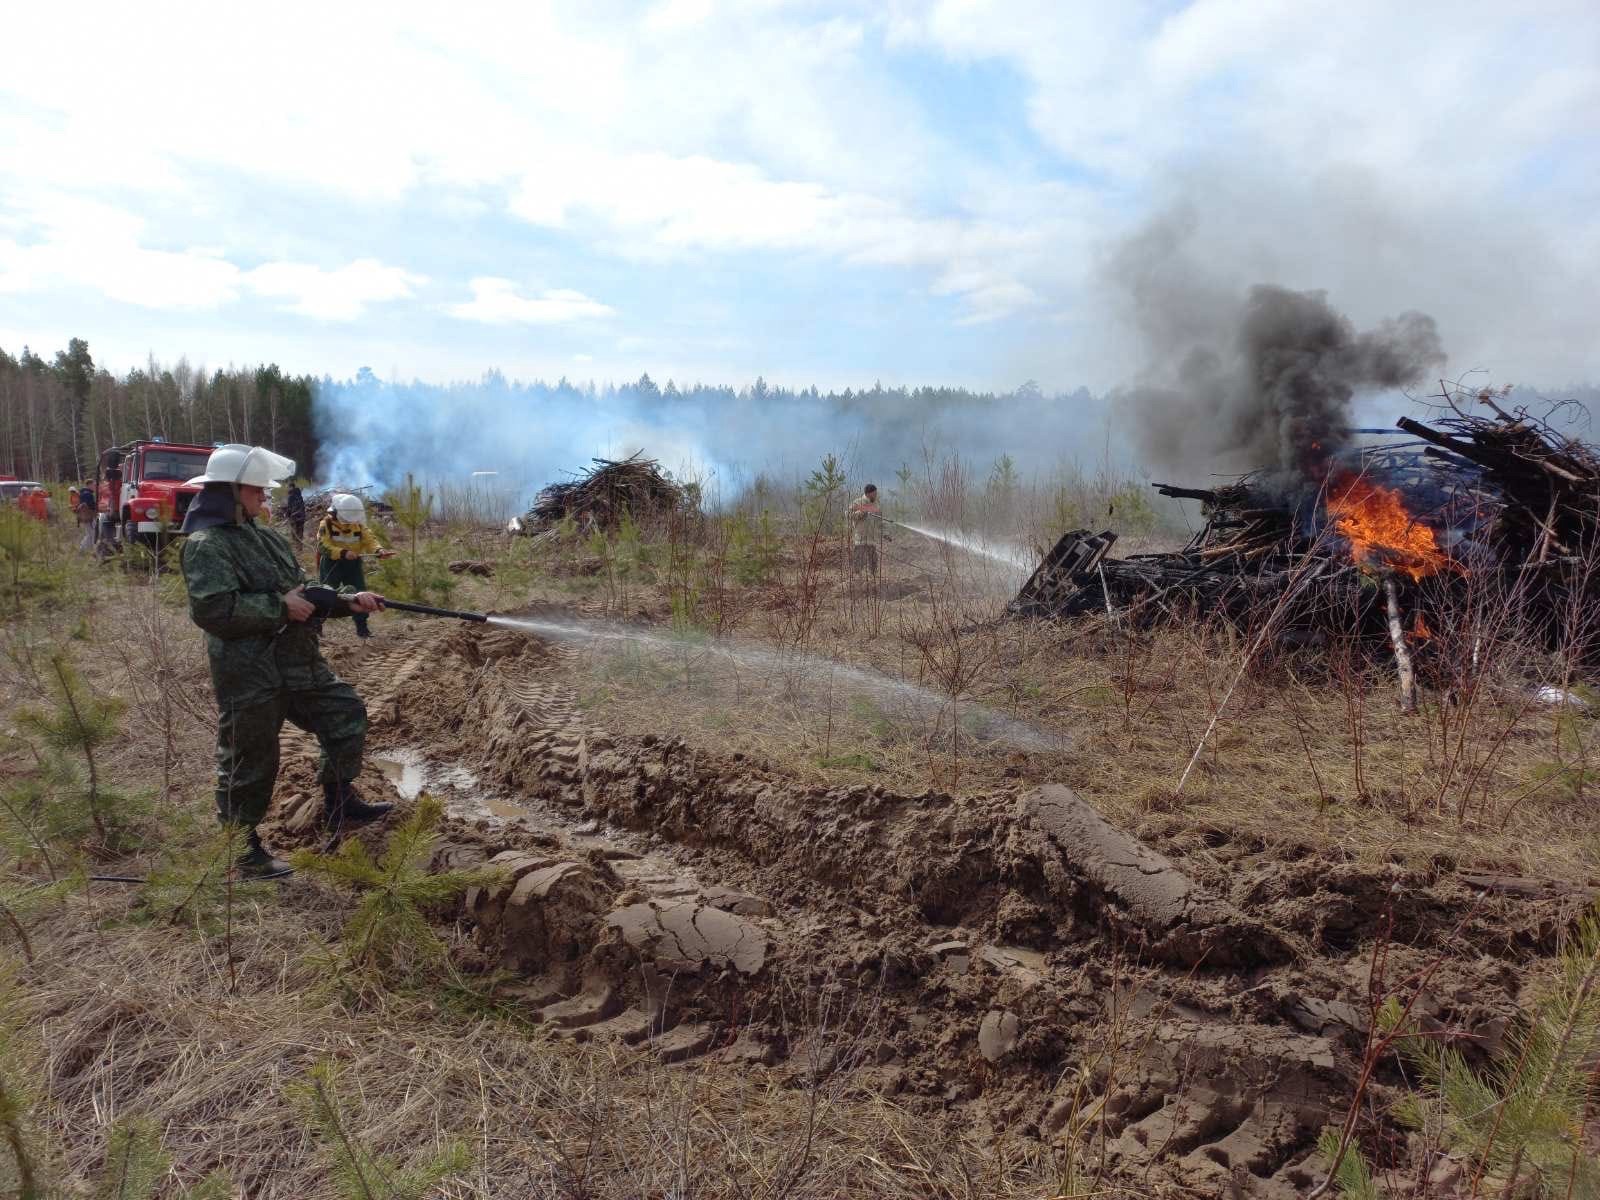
column 323, row 598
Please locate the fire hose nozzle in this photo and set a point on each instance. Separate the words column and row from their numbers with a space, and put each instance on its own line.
column 325, row 598
column 428, row 610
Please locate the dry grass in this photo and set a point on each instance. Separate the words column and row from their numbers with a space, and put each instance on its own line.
column 1310, row 749
column 148, row 1021
column 143, row 1022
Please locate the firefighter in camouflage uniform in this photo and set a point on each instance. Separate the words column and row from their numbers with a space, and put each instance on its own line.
column 246, row 590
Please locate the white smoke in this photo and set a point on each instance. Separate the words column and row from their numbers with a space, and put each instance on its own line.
column 375, row 432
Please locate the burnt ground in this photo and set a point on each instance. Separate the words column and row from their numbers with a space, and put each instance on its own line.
column 1186, row 1012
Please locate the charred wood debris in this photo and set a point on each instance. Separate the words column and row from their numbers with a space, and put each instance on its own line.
column 1400, row 531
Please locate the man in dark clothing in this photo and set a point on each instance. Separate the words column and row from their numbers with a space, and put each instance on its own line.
column 87, row 517
column 246, row 590
column 294, row 507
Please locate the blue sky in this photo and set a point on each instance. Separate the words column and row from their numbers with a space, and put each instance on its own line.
column 917, row 191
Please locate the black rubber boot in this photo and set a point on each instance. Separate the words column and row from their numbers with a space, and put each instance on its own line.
column 361, row 626
column 343, row 807
column 258, row 863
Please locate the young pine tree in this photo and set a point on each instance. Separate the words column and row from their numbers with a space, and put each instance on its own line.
column 389, row 930
column 1523, row 1122
column 1354, row 1177
column 136, row 1164
column 359, row 1173
column 21, row 1166
column 824, row 492
column 412, row 507
column 78, row 806
column 194, row 881
column 20, row 536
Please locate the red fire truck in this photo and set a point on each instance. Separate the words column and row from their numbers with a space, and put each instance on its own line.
column 141, row 490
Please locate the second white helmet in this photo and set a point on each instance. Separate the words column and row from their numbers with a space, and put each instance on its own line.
column 349, row 508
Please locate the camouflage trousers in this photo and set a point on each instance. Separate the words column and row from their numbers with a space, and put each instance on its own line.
column 247, row 744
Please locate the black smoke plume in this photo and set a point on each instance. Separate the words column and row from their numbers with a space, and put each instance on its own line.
column 1260, row 382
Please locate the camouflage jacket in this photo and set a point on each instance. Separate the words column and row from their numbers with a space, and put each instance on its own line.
column 236, row 575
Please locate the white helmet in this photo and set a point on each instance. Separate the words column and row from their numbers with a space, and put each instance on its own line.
column 254, row 466
column 349, row 508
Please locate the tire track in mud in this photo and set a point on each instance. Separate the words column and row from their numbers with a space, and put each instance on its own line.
column 1026, row 915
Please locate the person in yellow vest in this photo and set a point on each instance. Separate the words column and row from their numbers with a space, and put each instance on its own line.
column 342, row 538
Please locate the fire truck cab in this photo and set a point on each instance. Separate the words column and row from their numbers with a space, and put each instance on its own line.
column 141, row 489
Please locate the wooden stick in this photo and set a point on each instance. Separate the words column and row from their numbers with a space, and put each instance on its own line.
column 1402, row 652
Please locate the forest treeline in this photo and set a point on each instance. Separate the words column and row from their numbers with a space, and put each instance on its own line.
column 57, row 414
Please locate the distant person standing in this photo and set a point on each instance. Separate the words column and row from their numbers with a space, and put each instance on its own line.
column 866, row 532
column 342, row 538
column 85, row 509
column 294, row 508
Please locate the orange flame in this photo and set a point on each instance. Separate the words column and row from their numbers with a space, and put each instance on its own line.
column 1380, row 531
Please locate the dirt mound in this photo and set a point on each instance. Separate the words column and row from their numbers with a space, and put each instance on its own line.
column 1128, row 885
column 1012, row 951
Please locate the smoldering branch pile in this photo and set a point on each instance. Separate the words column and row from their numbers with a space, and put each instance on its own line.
column 318, row 503
column 600, row 497
column 1503, row 501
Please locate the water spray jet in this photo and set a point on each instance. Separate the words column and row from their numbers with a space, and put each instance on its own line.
column 1018, row 733
column 1011, row 556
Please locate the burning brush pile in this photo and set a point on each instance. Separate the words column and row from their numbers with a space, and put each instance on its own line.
column 599, row 498
column 1386, row 538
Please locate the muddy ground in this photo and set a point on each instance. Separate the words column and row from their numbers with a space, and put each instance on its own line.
column 1188, row 1010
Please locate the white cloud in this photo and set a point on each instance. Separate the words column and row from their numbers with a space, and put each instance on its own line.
column 77, row 245
column 92, row 246
column 677, row 14
column 496, row 302
column 342, row 294
column 814, row 130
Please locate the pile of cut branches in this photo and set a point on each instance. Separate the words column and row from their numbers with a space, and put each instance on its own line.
column 599, row 498
column 318, row 503
column 1547, row 485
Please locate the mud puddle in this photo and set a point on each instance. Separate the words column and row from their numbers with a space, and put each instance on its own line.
column 411, row 772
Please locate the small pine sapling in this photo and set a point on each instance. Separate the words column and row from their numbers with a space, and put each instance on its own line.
column 21, row 1172
column 23, row 899
column 1523, row 1122
column 1353, row 1177
column 194, row 881
column 411, row 507
column 20, row 536
column 78, row 725
column 389, row 930
column 136, row 1164
column 359, row 1173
